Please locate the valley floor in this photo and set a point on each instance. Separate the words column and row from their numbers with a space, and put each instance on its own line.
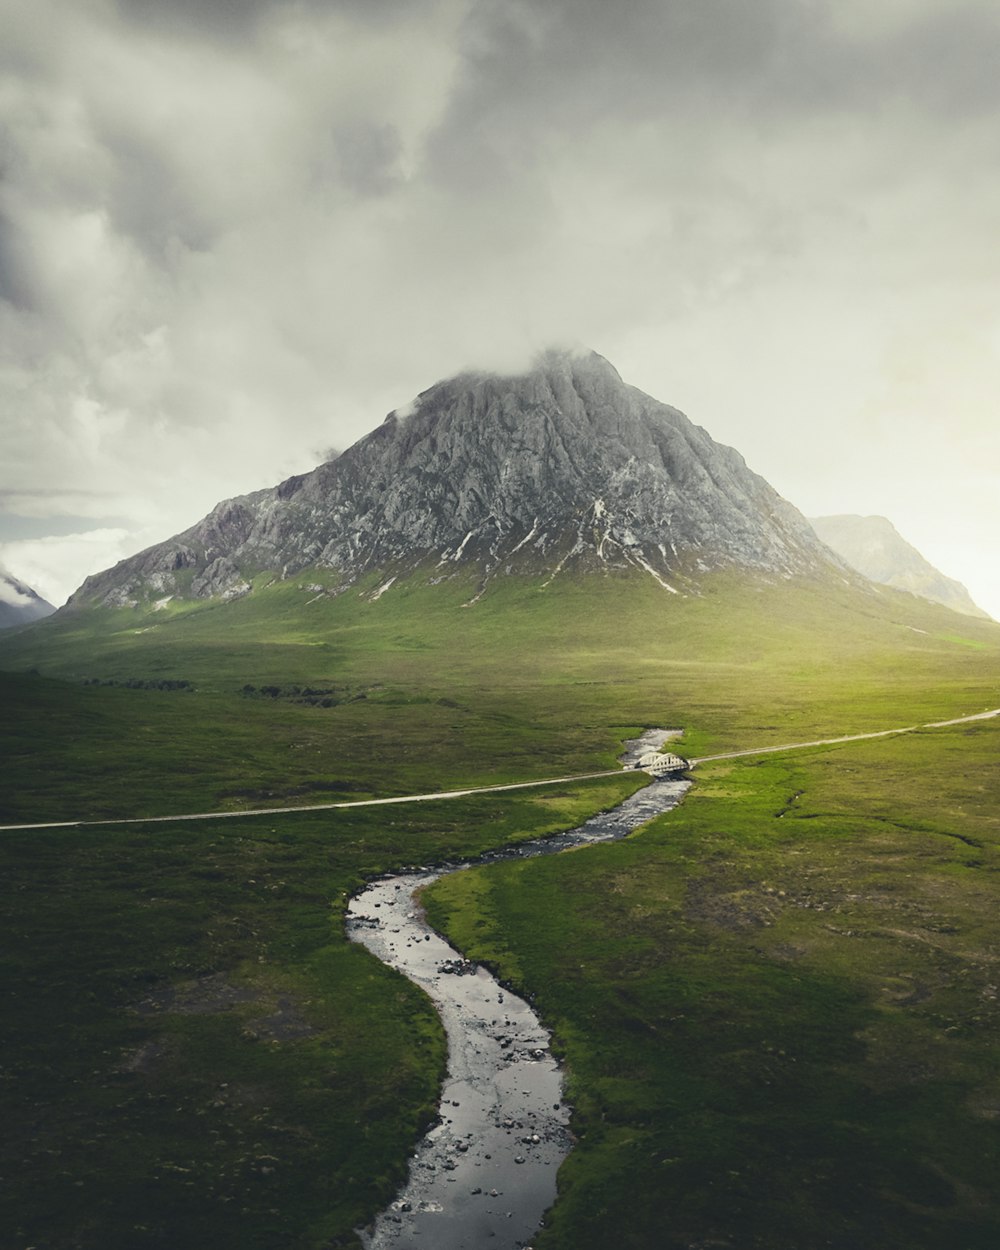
column 777, row 1005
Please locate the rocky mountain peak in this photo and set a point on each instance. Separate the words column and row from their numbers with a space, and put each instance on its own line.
column 563, row 467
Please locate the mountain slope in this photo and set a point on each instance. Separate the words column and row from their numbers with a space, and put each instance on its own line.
column 873, row 546
column 19, row 604
column 564, row 466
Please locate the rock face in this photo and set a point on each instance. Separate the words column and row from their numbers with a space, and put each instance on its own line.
column 19, row 604
column 564, row 467
column 873, row 546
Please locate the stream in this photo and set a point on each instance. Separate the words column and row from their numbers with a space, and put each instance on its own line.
column 485, row 1173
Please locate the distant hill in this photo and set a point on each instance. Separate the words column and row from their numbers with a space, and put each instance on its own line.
column 873, row 546
column 564, row 468
column 19, row 604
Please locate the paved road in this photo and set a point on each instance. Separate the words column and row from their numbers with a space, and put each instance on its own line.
column 517, row 785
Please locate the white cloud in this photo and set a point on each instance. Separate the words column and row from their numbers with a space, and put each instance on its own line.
column 11, row 593
column 54, row 567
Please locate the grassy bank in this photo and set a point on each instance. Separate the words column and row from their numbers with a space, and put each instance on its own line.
column 193, row 1053
column 778, row 1005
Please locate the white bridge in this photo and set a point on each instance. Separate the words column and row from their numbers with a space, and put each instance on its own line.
column 662, row 764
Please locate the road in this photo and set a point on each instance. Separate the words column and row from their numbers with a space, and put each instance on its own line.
column 315, row 807
column 826, row 742
column 517, row 785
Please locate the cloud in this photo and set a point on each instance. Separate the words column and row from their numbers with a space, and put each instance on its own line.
column 10, row 592
column 229, row 20
column 55, row 566
column 233, row 233
column 222, row 18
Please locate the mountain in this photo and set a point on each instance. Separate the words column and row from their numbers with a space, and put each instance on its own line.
column 19, row 604
column 873, row 546
column 564, row 466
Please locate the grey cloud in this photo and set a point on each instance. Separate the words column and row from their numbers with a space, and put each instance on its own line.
column 537, row 76
column 213, row 17
column 238, row 19
column 947, row 62
column 25, row 499
column 546, row 68
column 14, row 528
column 368, row 156
column 149, row 200
column 17, row 285
column 565, row 64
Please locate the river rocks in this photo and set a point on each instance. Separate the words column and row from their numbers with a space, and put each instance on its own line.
column 502, row 1126
column 457, row 968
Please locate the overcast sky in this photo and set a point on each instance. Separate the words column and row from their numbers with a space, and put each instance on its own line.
column 235, row 233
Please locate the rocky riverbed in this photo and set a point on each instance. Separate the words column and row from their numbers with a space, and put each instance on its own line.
column 485, row 1174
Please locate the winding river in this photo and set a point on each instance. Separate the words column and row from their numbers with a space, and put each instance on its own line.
column 485, row 1174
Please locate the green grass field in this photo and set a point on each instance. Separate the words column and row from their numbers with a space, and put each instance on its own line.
column 528, row 683
column 193, row 1054
column 776, row 1004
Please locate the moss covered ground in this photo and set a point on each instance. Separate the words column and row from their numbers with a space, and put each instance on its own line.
column 778, row 1005
column 774, row 1004
column 193, row 1054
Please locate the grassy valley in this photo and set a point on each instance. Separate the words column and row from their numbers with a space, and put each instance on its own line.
column 289, row 692
column 193, row 1054
column 775, row 1004
column 778, row 1004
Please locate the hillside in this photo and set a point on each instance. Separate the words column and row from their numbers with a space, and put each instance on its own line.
column 873, row 546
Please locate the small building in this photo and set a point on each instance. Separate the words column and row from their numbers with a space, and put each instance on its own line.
column 662, row 763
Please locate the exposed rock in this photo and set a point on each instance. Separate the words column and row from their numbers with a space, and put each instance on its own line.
column 221, row 579
column 564, row 467
column 873, row 546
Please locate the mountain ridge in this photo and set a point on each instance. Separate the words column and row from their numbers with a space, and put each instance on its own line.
column 874, row 547
column 562, row 466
